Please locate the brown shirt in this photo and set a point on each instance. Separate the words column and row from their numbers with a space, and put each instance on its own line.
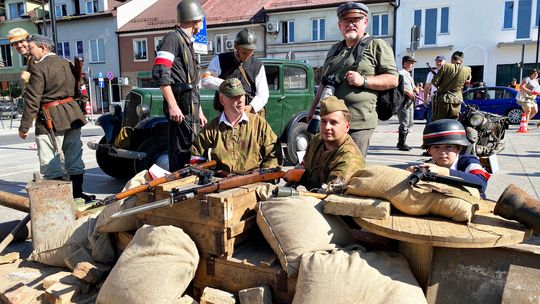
column 51, row 79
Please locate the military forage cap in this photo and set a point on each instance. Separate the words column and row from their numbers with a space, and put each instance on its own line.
column 352, row 9
column 41, row 39
column 17, row 34
column 232, row 87
column 332, row 104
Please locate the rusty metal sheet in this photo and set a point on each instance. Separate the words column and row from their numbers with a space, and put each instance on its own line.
column 51, row 208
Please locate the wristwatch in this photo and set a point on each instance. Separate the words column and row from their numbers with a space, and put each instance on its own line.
column 365, row 85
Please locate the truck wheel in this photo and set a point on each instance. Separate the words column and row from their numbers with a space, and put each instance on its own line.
column 156, row 153
column 297, row 141
column 116, row 167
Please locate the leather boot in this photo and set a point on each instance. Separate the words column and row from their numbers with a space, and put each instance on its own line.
column 516, row 204
column 77, row 184
column 401, row 145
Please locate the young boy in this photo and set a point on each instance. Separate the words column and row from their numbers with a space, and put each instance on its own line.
column 444, row 140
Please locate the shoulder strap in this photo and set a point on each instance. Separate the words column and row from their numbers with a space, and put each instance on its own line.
column 361, row 47
column 184, row 55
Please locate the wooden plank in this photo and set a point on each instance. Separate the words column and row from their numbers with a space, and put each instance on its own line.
column 123, row 239
column 189, row 180
column 61, row 293
column 20, row 294
column 242, row 227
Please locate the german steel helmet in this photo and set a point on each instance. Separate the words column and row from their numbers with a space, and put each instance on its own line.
column 444, row 132
column 17, row 34
column 189, row 10
column 246, row 39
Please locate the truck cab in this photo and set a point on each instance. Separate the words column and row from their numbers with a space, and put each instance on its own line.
column 136, row 137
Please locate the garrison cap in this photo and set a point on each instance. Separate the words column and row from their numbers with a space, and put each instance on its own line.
column 41, row 39
column 332, row 104
column 346, row 9
column 231, row 87
column 17, row 34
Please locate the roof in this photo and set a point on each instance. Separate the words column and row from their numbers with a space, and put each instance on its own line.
column 162, row 14
column 290, row 5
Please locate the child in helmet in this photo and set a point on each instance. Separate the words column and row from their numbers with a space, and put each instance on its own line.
column 444, row 140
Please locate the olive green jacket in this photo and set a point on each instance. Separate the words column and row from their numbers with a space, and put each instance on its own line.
column 378, row 59
column 330, row 167
column 51, row 79
column 249, row 145
column 450, row 81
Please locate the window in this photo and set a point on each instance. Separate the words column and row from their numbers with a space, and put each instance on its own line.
column 430, row 30
column 80, row 48
column 60, row 10
column 380, row 25
column 272, row 77
column 294, row 78
column 91, row 6
column 220, row 43
column 62, row 49
column 508, row 14
column 5, row 55
column 157, row 41
column 140, row 50
column 418, row 18
column 444, row 20
column 287, row 31
column 524, row 19
column 537, row 12
column 16, row 10
column 97, row 50
column 318, row 29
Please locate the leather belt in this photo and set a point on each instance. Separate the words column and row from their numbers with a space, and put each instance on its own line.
column 57, row 102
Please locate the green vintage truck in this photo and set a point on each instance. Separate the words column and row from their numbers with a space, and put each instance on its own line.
column 291, row 92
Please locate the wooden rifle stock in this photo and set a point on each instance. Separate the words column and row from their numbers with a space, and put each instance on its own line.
column 154, row 183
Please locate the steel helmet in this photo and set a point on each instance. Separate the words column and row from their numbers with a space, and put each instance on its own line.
column 17, row 34
column 246, row 39
column 189, row 10
column 444, row 132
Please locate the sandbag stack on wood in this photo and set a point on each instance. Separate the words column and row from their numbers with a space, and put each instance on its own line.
column 352, row 275
column 392, row 184
column 156, row 267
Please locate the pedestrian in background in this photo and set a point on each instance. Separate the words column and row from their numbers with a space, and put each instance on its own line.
column 17, row 39
column 240, row 64
column 175, row 70
column 49, row 97
column 406, row 111
column 450, row 81
column 429, row 89
column 527, row 96
column 419, row 98
column 514, row 84
column 359, row 79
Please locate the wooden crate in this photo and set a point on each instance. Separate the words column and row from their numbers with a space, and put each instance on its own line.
column 252, row 264
column 215, row 222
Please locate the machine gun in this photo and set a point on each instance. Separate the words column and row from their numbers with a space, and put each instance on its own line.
column 176, row 195
column 424, row 174
column 204, row 176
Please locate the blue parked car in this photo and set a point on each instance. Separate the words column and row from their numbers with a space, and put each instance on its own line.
column 497, row 100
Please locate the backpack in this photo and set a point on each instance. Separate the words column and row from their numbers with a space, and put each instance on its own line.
column 389, row 101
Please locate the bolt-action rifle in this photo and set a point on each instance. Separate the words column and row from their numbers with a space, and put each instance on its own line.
column 196, row 169
column 176, row 195
column 424, row 174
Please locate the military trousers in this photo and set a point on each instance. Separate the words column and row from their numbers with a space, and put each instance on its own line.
column 406, row 116
column 49, row 162
column 361, row 138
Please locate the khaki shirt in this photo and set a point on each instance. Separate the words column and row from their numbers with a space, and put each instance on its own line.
column 330, row 167
column 248, row 145
column 448, row 80
column 378, row 59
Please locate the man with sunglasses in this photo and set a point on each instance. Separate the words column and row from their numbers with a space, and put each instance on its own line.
column 17, row 39
column 359, row 80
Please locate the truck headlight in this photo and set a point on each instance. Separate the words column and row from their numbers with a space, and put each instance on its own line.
column 476, row 120
column 143, row 111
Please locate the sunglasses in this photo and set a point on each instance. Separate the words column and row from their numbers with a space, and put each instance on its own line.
column 351, row 20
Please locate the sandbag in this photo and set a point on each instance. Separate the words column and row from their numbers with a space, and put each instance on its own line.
column 80, row 234
column 392, row 184
column 156, row 267
column 106, row 224
column 353, row 275
column 296, row 225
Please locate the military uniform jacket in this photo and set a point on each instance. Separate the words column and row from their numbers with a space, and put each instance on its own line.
column 378, row 59
column 51, row 79
column 450, row 81
column 249, row 145
column 176, row 63
column 327, row 167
